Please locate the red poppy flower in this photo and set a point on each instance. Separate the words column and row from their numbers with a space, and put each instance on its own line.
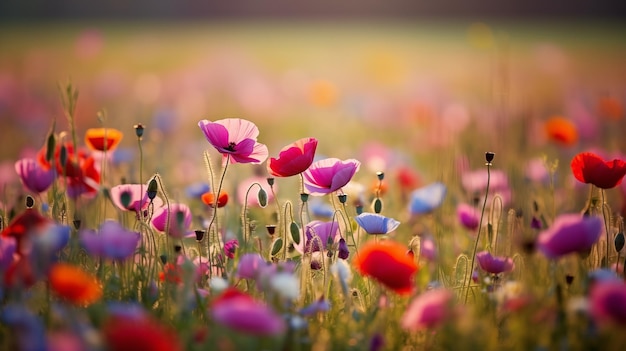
column 562, row 131
column 74, row 284
column 80, row 169
column 592, row 169
column 103, row 139
column 126, row 334
column 172, row 273
column 209, row 199
column 293, row 159
column 23, row 225
column 388, row 263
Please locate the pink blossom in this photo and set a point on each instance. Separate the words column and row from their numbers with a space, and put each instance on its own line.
column 329, row 175
column 34, row 177
column 111, row 241
column 179, row 220
column 428, row 310
column 240, row 312
column 293, row 159
column 133, row 197
column 494, row 264
column 249, row 265
column 236, row 138
column 606, row 302
column 569, row 233
column 468, row 216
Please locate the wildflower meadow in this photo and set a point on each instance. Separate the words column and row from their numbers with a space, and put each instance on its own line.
column 351, row 203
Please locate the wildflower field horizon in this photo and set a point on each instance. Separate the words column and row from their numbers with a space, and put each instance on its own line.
column 312, row 186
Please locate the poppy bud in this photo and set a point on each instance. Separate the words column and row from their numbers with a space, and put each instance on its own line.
column 152, row 189
column 380, row 175
column 30, row 202
column 378, row 205
column 344, row 252
column 50, row 145
column 199, row 235
column 63, row 158
column 619, row 241
column 359, row 209
column 270, row 181
column 342, row 198
column 304, row 197
column 295, row 232
column 76, row 223
column 262, row 197
column 277, row 245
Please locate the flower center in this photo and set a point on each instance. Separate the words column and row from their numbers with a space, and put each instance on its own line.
column 231, row 146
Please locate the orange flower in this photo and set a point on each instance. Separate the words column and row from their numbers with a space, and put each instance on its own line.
column 380, row 187
column 610, row 108
column 103, row 139
column 209, row 199
column 561, row 130
column 388, row 263
column 74, row 284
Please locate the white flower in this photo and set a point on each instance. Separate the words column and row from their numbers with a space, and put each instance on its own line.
column 286, row 285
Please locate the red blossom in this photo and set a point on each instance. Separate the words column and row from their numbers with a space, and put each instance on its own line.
column 592, row 169
column 388, row 263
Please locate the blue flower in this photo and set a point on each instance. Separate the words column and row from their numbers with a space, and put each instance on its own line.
column 374, row 223
column 196, row 190
column 426, row 199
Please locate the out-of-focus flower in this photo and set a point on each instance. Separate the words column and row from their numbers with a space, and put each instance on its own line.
column 111, row 241
column 230, row 247
column 426, row 199
column 388, row 263
column 127, row 334
column 22, row 228
column 293, row 159
column 475, row 183
column 28, row 329
column 286, row 285
column 407, row 178
column 561, row 131
column 74, row 284
column 428, row 310
column 249, row 265
column 174, row 221
column 133, row 197
column 320, row 209
column 494, row 264
column 8, row 247
column 196, row 190
column 428, row 249
column 592, row 169
column 607, row 302
column 236, row 138
column 240, row 312
column 208, row 198
column 34, row 177
column 569, row 233
column 468, row 216
column 536, row 171
column 374, row 223
column 317, row 306
column 64, row 341
column 329, row 175
column 610, row 108
column 83, row 177
column 317, row 236
column 103, row 139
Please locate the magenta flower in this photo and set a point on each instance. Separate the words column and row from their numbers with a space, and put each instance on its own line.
column 34, row 177
column 179, row 220
column 428, row 310
column 374, row 223
column 111, row 241
column 329, row 175
column 606, row 302
column 293, row 159
column 236, row 138
column 569, row 233
column 240, row 312
column 428, row 249
column 133, row 197
column 468, row 216
column 493, row 264
column 230, row 247
column 318, row 235
column 249, row 265
column 475, row 183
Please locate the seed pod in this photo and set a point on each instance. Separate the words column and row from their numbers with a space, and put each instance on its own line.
column 153, row 188
column 262, row 197
column 295, row 232
column 378, row 205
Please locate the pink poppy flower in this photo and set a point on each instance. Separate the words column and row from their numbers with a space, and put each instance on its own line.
column 569, row 233
column 293, row 159
column 606, row 302
column 111, row 241
column 468, row 215
column 249, row 265
column 329, row 175
column 240, row 312
column 133, row 197
column 493, row 264
column 34, row 177
column 475, row 183
column 236, row 138
column 428, row 310
column 179, row 220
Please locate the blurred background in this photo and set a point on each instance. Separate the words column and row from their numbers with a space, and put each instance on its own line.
column 451, row 76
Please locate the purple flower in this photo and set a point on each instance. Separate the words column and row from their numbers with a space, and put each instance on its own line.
column 329, row 175
column 569, row 233
column 426, row 199
column 428, row 310
column 343, row 251
column 111, row 241
column 606, row 302
column 8, row 247
column 179, row 216
column 229, row 248
column 236, row 138
column 249, row 265
column 238, row 311
column 34, row 177
column 320, row 305
column 468, row 216
column 428, row 250
column 374, row 223
column 318, row 235
column 494, row 265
